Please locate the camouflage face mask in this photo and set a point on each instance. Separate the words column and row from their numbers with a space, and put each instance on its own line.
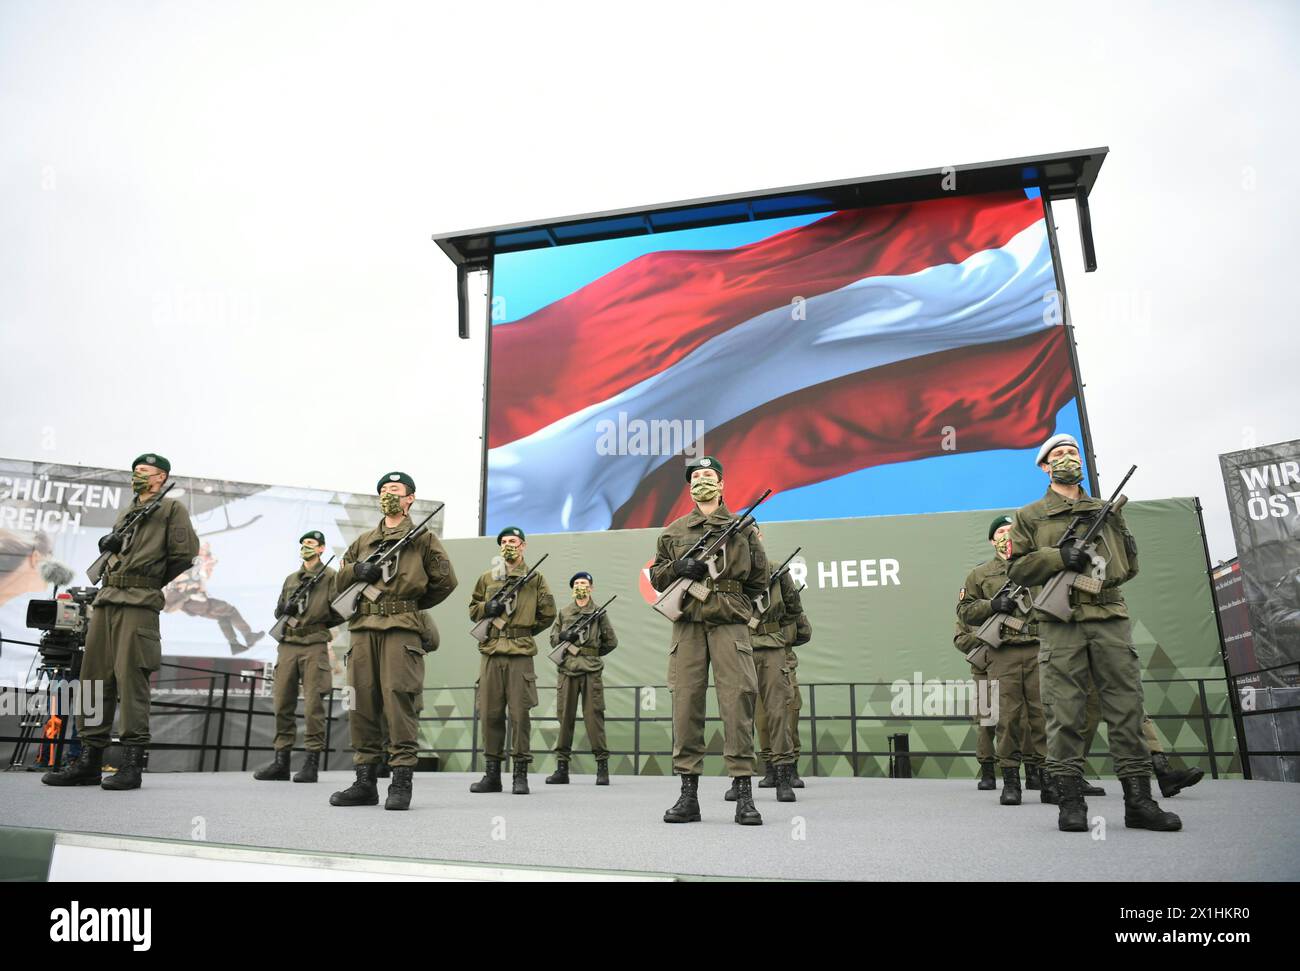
column 1067, row 469
column 389, row 504
column 307, row 552
column 705, row 490
column 139, row 482
column 581, row 592
column 1003, row 546
column 511, row 553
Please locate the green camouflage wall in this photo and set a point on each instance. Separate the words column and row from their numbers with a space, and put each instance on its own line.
column 897, row 623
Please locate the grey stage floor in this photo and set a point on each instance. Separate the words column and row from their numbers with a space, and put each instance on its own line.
column 840, row 829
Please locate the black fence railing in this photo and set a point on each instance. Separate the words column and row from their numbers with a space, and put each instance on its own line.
column 232, row 695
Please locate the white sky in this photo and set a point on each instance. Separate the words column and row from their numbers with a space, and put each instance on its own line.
column 216, row 217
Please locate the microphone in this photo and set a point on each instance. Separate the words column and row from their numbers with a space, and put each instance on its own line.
column 56, row 573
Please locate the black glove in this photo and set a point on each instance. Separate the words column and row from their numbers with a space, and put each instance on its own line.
column 110, row 543
column 494, row 608
column 1075, row 559
column 569, row 634
column 688, row 566
column 292, row 608
column 367, row 572
column 1003, row 604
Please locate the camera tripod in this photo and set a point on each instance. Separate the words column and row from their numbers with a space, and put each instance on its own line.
column 32, row 725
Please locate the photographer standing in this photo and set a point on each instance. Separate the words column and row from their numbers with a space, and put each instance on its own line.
column 123, row 646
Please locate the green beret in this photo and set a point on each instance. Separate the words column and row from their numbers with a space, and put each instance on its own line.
column 157, row 461
column 401, row 477
column 580, row 575
column 511, row 531
column 998, row 524
column 704, row 462
column 315, row 534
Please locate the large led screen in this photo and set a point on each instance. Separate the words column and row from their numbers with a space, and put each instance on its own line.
column 905, row 358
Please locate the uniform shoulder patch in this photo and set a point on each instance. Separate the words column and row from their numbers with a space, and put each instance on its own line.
column 961, row 594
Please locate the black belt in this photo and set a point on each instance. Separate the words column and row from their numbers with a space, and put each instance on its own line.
column 131, row 580
column 388, row 608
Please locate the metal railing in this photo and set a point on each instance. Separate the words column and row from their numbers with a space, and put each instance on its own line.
column 224, row 687
column 234, row 694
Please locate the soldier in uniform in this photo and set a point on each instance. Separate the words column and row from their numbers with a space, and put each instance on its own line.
column 1013, row 667
column 1095, row 643
column 712, row 633
column 579, row 677
column 388, row 640
column 506, row 676
column 797, row 632
column 303, row 658
column 964, row 640
column 123, row 644
column 1172, row 781
column 775, row 687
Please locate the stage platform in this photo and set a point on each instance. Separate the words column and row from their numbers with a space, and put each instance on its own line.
column 840, row 829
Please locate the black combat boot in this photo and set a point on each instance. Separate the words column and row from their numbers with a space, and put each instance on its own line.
column 1031, row 777
column 687, row 807
column 84, row 771
column 520, row 786
column 1010, row 787
column 310, row 765
column 277, row 770
column 363, row 792
column 1047, row 794
column 731, row 794
column 987, row 778
column 1173, row 781
column 784, row 791
column 1088, row 789
column 560, row 777
column 128, row 776
column 491, row 781
column 602, row 772
column 399, row 790
column 795, row 781
column 1072, row 811
column 1143, row 812
column 769, row 776
column 746, row 814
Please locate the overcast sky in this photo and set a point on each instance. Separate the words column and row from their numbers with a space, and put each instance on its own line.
column 215, row 218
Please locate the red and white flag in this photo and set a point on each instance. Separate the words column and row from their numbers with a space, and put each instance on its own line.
column 853, row 341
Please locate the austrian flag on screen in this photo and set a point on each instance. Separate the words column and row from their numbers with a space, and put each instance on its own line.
column 901, row 358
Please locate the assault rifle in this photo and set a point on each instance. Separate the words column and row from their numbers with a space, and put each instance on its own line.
column 124, row 533
column 506, row 595
column 712, row 549
column 385, row 557
column 1054, row 598
column 580, row 630
column 297, row 603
